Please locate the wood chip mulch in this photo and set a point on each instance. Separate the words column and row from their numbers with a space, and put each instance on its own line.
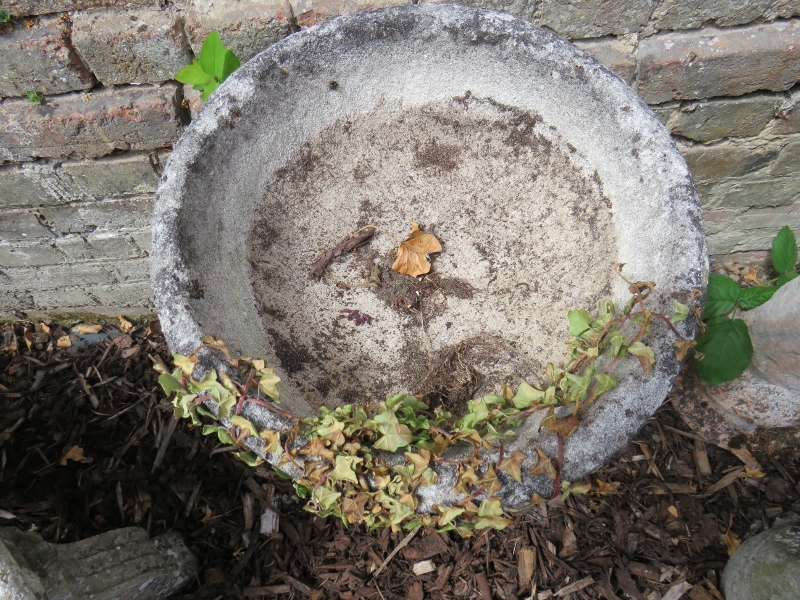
column 88, row 444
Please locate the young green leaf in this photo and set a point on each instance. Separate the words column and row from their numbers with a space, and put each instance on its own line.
column 34, row 97
column 645, row 354
column 5, row 17
column 211, row 53
column 786, row 278
column 755, row 296
column 784, row 251
column 194, row 75
column 727, row 351
column 527, row 395
column 721, row 296
column 579, row 321
column 604, row 383
column 680, row 312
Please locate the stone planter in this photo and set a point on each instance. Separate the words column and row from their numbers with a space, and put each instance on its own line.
column 536, row 168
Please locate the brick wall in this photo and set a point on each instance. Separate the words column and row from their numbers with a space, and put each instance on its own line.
column 78, row 172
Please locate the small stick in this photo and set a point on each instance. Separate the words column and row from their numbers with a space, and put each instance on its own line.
column 397, row 549
column 472, row 496
column 269, row 406
column 351, row 242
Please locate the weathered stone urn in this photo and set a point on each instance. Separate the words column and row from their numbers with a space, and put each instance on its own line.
column 536, row 168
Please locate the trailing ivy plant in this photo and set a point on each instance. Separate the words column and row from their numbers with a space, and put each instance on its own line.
column 338, row 458
column 216, row 62
column 724, row 348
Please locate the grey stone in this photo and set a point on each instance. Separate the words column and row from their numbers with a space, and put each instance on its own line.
column 746, row 192
column 49, row 277
column 143, row 240
column 123, row 564
column 109, row 245
column 42, row 7
column 614, row 53
column 92, row 125
column 464, row 93
column 132, row 271
column 722, row 161
column 710, row 120
column 719, row 62
column 787, row 117
column 64, row 298
column 595, row 18
column 131, row 46
column 40, row 58
column 765, row 567
column 30, row 255
column 788, row 161
column 29, row 185
column 137, row 294
column 90, row 217
column 21, row 225
column 749, row 230
column 678, row 14
column 109, row 177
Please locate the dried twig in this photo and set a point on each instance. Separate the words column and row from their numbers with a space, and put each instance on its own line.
column 397, row 549
column 351, row 242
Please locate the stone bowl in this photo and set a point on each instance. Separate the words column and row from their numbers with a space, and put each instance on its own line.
column 536, row 168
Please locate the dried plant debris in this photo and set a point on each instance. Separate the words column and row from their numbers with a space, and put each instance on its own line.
column 655, row 521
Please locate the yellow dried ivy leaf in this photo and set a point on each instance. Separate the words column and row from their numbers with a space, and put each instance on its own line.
column 513, row 465
column 411, row 255
column 544, row 466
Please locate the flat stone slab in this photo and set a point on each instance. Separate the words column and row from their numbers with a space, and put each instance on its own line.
column 536, row 168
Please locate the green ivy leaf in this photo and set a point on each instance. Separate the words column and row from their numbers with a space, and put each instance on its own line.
column 604, row 383
column 171, row 383
column 251, row 459
column 755, row 296
column 721, row 297
column 784, row 251
column 727, row 351
column 579, row 321
column 394, row 435
column 325, row 498
column 526, row 396
column 344, row 469
column 680, row 312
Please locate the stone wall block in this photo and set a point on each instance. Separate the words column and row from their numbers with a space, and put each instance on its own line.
column 749, row 192
column 92, row 125
column 55, row 277
column 109, row 177
column 595, row 18
column 98, row 217
column 710, row 120
column 788, row 161
column 244, row 27
column 143, row 240
column 719, row 62
column 30, row 255
column 714, row 163
column 614, row 53
column 679, row 14
column 99, row 246
column 136, row 294
column 29, row 185
column 22, row 225
column 142, row 46
column 787, row 117
column 130, row 271
column 749, row 230
column 20, row 8
column 40, row 58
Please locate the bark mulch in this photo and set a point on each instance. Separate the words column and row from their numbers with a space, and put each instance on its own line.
column 88, row 444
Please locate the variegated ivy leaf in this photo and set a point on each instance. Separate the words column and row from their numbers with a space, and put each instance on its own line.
column 185, row 363
column 333, row 433
column 272, row 440
column 268, row 383
column 249, row 458
column 246, row 428
column 490, row 514
column 604, row 383
column 618, row 343
column 645, row 355
column 447, row 513
column 171, row 383
column 578, row 385
column 526, row 396
column 394, row 435
column 344, row 469
column 579, row 321
column 680, row 312
column 325, row 498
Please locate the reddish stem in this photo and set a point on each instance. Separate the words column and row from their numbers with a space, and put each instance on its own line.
column 559, row 463
column 267, row 405
column 472, row 496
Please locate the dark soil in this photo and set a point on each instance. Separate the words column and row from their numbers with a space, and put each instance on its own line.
column 654, row 522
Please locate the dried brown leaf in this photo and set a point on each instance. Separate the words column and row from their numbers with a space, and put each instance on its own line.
column 63, row 342
column 411, row 255
column 513, row 465
column 752, row 275
column 88, row 328
column 544, row 466
column 74, row 453
column 124, row 325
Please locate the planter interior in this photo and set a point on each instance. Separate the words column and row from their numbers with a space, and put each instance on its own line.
column 536, row 168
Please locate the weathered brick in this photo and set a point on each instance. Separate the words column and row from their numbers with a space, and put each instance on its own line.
column 719, row 62
column 143, row 46
column 710, row 120
column 725, row 160
column 109, row 177
column 100, row 246
column 595, row 18
column 245, row 27
column 614, row 53
column 750, row 230
column 99, row 217
column 21, row 224
column 788, row 161
column 749, row 192
column 42, row 7
column 679, row 14
column 30, row 255
column 129, row 271
column 40, row 58
column 63, row 298
column 92, row 125
column 58, row 276
column 29, row 185
column 125, row 294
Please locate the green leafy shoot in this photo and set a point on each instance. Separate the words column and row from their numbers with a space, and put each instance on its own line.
column 34, row 97
column 784, row 255
column 726, row 350
column 212, row 68
column 5, row 16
